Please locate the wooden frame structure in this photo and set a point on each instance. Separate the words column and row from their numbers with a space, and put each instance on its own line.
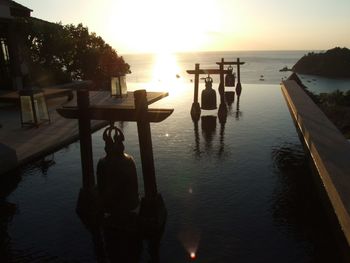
column 139, row 112
column 195, row 109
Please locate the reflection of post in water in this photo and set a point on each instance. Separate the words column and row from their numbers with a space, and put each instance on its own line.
column 196, row 138
column 238, row 112
column 7, row 211
column 8, row 183
column 222, row 137
column 208, row 129
column 45, row 163
column 222, row 114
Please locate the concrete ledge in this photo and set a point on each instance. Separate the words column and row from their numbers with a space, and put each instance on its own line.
column 8, row 158
column 329, row 149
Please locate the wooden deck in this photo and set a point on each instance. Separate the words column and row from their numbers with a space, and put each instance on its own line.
column 49, row 93
column 329, row 149
column 33, row 143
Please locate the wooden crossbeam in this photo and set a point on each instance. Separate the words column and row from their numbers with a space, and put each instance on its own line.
column 115, row 113
column 208, row 71
column 230, row 63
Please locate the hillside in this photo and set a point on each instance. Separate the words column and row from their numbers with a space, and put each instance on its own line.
column 334, row 63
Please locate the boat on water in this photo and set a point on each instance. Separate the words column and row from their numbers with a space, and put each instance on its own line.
column 285, row 69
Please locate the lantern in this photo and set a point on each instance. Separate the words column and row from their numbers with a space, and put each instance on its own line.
column 116, row 175
column 208, row 95
column 118, row 87
column 33, row 107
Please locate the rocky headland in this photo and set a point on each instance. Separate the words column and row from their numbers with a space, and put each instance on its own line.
column 334, row 63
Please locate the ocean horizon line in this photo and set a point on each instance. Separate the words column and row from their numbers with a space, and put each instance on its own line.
column 224, row 51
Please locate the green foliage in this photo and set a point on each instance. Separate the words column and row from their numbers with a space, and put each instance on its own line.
column 59, row 53
column 335, row 98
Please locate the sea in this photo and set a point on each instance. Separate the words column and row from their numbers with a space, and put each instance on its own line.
column 261, row 67
column 238, row 190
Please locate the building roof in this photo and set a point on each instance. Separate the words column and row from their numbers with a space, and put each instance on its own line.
column 19, row 10
column 10, row 9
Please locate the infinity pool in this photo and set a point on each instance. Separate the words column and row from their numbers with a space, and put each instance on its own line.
column 235, row 192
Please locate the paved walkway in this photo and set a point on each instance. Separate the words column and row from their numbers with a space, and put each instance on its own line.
column 32, row 143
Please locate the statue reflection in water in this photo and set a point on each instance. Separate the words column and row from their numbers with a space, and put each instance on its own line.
column 208, row 125
column 119, row 225
column 230, row 98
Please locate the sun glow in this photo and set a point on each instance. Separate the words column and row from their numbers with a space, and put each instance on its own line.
column 165, row 68
column 166, row 75
column 163, row 26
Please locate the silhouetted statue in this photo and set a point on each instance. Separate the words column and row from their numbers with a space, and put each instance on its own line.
column 119, row 232
column 208, row 95
column 116, row 175
column 230, row 77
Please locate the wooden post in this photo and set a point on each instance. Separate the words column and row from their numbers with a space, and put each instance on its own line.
column 238, row 71
column 196, row 109
column 85, row 139
column 222, row 112
column 222, row 83
column 238, row 86
column 145, row 141
column 196, row 84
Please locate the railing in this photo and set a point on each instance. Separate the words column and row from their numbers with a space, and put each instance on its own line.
column 328, row 148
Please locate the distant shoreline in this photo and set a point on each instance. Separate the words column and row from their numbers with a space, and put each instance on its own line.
column 223, row 52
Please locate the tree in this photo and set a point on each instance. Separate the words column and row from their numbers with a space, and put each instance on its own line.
column 57, row 54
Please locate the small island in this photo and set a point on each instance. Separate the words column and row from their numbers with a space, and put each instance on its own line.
column 284, row 69
column 334, row 63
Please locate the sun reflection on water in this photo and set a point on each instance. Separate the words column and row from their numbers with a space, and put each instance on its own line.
column 166, row 75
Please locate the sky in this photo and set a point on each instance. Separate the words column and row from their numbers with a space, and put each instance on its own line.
column 134, row 26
